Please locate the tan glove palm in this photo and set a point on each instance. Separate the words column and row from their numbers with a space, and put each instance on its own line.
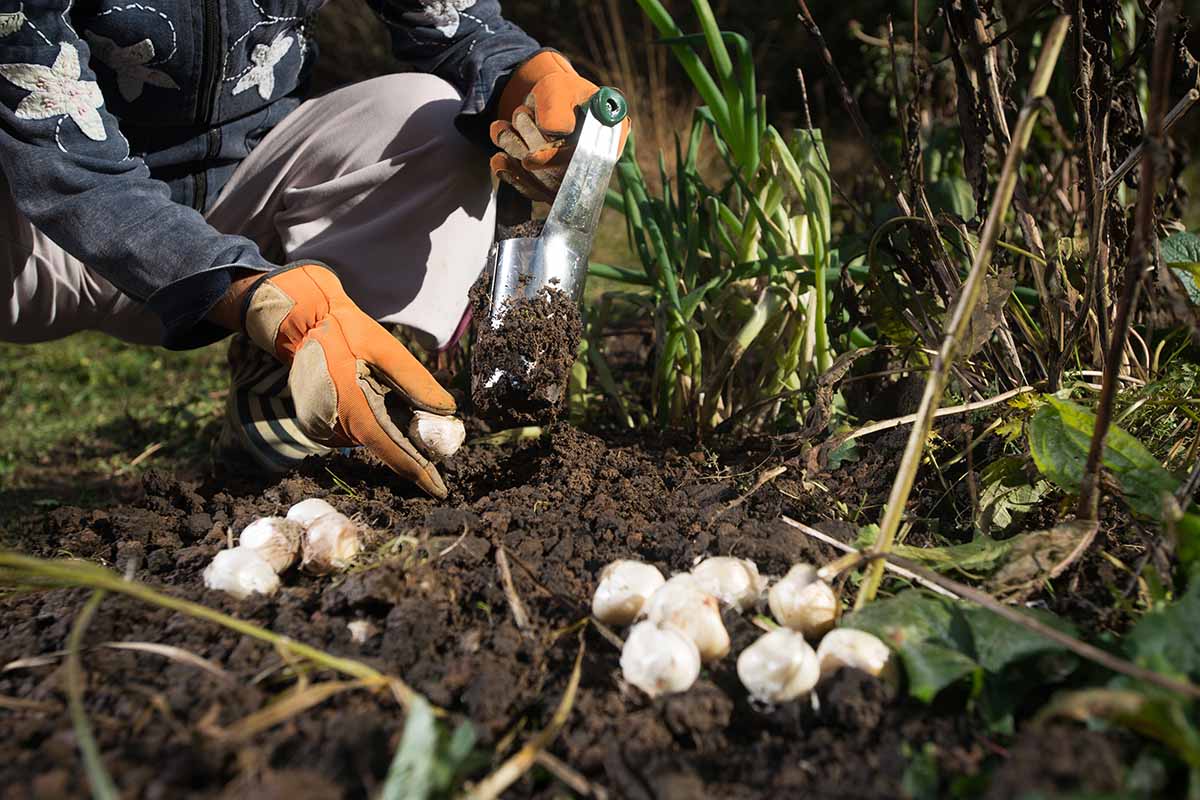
column 535, row 116
column 345, row 368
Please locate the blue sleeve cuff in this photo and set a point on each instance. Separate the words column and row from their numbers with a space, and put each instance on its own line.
column 182, row 306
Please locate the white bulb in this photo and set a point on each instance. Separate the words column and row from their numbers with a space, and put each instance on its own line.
column 306, row 511
column 846, row 647
column 435, row 435
column 681, row 602
column 329, row 544
column 659, row 659
column 241, row 572
column 622, row 591
column 803, row 602
column 275, row 538
column 733, row 581
column 778, row 667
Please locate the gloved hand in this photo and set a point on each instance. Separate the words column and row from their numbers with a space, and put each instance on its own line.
column 343, row 366
column 535, row 116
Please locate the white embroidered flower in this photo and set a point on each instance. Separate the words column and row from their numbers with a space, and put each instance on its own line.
column 130, row 64
column 261, row 74
column 11, row 23
column 57, row 91
column 442, row 14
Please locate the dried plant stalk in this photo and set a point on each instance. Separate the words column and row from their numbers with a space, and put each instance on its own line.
column 960, row 320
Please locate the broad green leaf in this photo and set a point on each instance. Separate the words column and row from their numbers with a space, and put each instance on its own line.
column 940, row 641
column 1169, row 640
column 1006, row 495
column 1181, row 247
column 999, row 643
column 953, row 194
column 980, row 555
column 1060, row 434
column 1181, row 252
column 932, row 667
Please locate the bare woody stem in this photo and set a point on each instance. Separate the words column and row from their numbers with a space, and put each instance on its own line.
column 956, row 330
column 1140, row 258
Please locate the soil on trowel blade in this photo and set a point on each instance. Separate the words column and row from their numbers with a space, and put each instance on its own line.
column 520, row 370
column 559, row 508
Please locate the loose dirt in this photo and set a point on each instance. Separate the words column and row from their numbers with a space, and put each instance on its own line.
column 533, row 350
column 561, row 508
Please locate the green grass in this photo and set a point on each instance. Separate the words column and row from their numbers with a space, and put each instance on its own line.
column 75, row 413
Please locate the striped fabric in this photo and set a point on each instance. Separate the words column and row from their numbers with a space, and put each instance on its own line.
column 260, row 419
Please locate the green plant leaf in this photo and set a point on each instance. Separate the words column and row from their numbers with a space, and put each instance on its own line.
column 981, row 554
column 939, row 640
column 1006, row 495
column 1183, row 246
column 1060, row 434
column 1168, row 640
column 1181, row 252
column 410, row 776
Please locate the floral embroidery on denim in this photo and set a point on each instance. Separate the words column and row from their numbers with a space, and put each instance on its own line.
column 261, row 74
column 442, row 14
column 57, row 91
column 11, row 23
column 130, row 64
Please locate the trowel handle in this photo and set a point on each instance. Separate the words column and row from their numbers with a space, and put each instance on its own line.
column 609, row 106
column 566, row 240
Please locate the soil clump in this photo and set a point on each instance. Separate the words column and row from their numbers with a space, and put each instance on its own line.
column 520, row 369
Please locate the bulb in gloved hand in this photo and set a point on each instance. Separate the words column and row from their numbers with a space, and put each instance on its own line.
column 659, row 659
column 622, row 591
column 435, row 435
column 803, row 602
column 846, row 647
column 241, row 572
column 733, row 581
column 778, row 667
column 680, row 602
column 329, row 544
column 275, row 539
column 306, row 511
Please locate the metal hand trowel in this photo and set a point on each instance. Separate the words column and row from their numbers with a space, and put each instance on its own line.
column 558, row 258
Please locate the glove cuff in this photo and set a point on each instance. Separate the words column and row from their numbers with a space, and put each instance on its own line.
column 521, row 83
column 267, row 304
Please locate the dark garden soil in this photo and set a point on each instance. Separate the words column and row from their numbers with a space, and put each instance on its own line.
column 561, row 508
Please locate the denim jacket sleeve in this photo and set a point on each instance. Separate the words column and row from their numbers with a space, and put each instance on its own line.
column 73, row 176
column 465, row 42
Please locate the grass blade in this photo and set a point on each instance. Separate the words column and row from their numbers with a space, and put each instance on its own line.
column 102, row 784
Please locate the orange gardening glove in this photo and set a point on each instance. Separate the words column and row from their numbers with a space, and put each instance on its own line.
column 343, row 366
column 535, row 117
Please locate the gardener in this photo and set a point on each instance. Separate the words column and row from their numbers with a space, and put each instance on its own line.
column 160, row 163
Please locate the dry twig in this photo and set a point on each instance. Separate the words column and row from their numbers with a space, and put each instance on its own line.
column 963, row 309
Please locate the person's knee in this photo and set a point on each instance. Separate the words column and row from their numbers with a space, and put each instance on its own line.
column 411, row 110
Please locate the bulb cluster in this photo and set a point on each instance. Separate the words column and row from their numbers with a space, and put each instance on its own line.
column 677, row 627
column 314, row 533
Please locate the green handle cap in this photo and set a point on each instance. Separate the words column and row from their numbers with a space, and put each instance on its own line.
column 609, row 106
